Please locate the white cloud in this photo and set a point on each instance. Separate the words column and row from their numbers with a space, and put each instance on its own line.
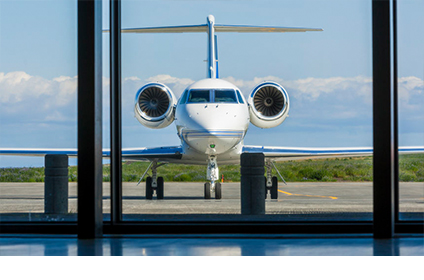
column 177, row 85
column 43, row 112
column 411, row 93
column 20, row 87
column 37, row 98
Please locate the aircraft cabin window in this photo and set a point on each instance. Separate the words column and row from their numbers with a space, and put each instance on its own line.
column 225, row 96
column 239, row 97
column 198, row 96
column 183, row 98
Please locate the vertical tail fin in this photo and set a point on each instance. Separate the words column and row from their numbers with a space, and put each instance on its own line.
column 211, row 70
column 216, row 57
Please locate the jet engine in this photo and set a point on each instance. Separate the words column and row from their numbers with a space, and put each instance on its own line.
column 268, row 105
column 154, row 105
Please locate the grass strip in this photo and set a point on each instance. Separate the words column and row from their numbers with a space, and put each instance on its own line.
column 411, row 169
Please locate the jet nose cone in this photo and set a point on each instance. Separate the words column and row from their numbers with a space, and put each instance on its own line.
column 212, row 141
column 214, row 128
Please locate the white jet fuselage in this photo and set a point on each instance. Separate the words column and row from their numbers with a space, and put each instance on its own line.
column 214, row 126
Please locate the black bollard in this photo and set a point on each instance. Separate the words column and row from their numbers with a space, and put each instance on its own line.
column 252, row 184
column 56, row 184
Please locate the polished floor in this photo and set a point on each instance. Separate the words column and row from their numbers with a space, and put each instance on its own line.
column 212, row 245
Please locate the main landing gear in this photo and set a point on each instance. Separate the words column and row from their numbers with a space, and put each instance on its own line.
column 271, row 183
column 271, row 187
column 151, row 188
column 212, row 175
column 154, row 183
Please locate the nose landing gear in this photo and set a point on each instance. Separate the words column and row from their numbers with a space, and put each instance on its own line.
column 212, row 175
column 213, row 187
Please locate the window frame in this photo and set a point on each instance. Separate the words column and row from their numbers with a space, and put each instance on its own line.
column 386, row 205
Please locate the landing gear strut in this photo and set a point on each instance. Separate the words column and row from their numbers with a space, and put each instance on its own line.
column 272, row 188
column 271, row 182
column 212, row 175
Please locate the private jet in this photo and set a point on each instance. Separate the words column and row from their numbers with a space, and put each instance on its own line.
column 212, row 117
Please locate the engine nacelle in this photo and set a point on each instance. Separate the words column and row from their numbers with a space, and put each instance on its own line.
column 268, row 105
column 154, row 105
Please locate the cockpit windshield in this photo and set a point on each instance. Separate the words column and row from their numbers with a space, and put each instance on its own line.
column 210, row 96
column 225, row 96
column 198, row 96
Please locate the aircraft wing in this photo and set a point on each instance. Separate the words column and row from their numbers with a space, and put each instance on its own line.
column 161, row 153
column 290, row 153
column 37, row 152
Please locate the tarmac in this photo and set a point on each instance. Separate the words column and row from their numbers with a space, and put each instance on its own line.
column 296, row 201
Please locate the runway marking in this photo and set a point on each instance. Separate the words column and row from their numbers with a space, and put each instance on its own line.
column 295, row 194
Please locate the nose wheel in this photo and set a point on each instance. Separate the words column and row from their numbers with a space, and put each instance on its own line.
column 218, row 191
column 209, row 188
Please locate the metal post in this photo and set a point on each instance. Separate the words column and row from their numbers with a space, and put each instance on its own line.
column 395, row 112
column 383, row 160
column 115, row 113
column 252, row 184
column 56, row 184
column 90, row 222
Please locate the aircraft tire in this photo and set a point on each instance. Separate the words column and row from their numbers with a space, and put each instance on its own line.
column 149, row 189
column 159, row 190
column 218, row 191
column 208, row 190
column 274, row 188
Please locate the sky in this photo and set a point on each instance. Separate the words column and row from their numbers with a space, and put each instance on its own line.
column 328, row 74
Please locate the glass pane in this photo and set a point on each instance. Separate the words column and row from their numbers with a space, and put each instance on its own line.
column 198, row 96
column 106, row 107
column 411, row 108
column 327, row 76
column 240, row 99
column 183, row 98
column 38, row 110
column 225, row 96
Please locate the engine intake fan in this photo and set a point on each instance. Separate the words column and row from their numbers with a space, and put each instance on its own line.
column 269, row 105
column 269, row 101
column 154, row 105
column 153, row 101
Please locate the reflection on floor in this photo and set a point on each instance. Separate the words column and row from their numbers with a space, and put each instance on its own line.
column 212, row 245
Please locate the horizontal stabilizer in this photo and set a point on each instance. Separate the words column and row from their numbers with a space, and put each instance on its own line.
column 257, row 29
column 210, row 28
column 167, row 29
column 217, row 27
